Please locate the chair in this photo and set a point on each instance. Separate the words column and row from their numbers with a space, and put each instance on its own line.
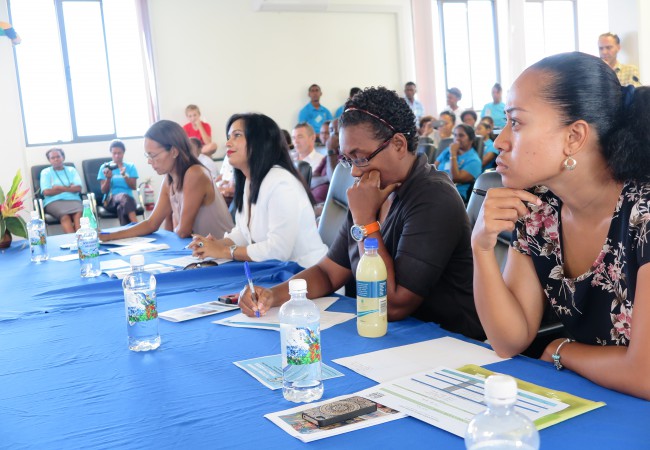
column 91, row 169
column 335, row 208
column 479, row 146
column 38, row 195
column 443, row 144
column 550, row 327
column 304, row 168
column 427, row 147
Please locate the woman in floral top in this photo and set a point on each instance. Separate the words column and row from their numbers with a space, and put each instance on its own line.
column 575, row 160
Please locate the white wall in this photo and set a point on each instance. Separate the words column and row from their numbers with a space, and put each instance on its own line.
column 237, row 59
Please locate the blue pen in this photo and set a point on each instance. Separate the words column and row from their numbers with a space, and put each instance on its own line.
column 247, row 270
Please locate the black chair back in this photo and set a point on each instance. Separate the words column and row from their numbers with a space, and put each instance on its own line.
column 304, row 168
column 335, row 208
column 91, row 169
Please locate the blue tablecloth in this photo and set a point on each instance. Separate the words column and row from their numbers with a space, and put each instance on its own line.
column 67, row 379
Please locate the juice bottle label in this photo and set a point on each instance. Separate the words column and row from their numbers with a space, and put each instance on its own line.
column 141, row 306
column 303, row 346
column 371, row 289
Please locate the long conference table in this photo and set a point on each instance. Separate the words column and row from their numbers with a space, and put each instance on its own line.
column 67, row 379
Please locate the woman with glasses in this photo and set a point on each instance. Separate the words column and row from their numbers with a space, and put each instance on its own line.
column 189, row 201
column 275, row 217
column 412, row 210
column 61, row 187
column 460, row 161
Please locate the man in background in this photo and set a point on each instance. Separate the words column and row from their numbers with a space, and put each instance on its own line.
column 409, row 95
column 304, row 140
column 453, row 97
column 314, row 113
column 496, row 109
column 609, row 45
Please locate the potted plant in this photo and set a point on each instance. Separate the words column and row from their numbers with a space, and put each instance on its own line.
column 10, row 205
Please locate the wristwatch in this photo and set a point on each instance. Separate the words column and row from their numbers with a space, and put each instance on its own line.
column 360, row 232
column 232, row 251
column 556, row 356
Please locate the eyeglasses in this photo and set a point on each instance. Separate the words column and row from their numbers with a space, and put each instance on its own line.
column 363, row 162
column 153, row 157
column 198, row 265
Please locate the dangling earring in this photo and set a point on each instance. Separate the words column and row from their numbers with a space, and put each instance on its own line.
column 569, row 163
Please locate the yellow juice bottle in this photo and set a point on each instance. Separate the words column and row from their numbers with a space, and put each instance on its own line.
column 372, row 318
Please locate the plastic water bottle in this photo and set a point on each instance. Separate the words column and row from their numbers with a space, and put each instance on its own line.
column 88, row 212
column 37, row 238
column 500, row 426
column 141, row 307
column 88, row 248
column 372, row 317
column 301, row 346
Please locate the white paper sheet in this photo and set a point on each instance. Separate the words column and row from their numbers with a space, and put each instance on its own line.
column 130, row 241
column 73, row 256
column 113, row 264
column 195, row 311
column 290, row 420
column 396, row 362
column 449, row 399
column 154, row 268
column 270, row 320
column 139, row 248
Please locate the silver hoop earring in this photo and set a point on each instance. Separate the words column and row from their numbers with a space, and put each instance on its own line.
column 569, row 163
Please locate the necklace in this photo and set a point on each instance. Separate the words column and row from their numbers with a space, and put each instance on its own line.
column 56, row 172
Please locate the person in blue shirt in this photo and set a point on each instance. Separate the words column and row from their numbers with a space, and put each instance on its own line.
column 496, row 109
column 61, row 188
column 118, row 184
column 314, row 113
column 460, row 160
column 354, row 91
column 484, row 129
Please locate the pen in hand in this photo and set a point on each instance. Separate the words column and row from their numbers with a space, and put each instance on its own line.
column 247, row 270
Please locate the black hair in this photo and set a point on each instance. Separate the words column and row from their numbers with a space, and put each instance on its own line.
column 265, row 147
column 196, row 142
column 314, row 85
column 170, row 134
column 410, row 83
column 55, row 149
column 612, row 35
column 450, row 114
column 354, row 91
column 498, row 87
column 468, row 112
column 390, row 107
column 584, row 87
column 287, row 138
column 116, row 143
column 469, row 131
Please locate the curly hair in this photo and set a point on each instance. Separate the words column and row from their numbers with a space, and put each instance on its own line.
column 387, row 105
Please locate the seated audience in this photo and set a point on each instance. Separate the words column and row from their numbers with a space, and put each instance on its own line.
column 453, row 97
column 189, row 201
column 275, row 218
column 443, row 136
column 575, row 162
column 425, row 127
column 304, row 141
column 484, row 130
column 200, row 130
column 320, row 181
column 61, row 189
column 469, row 117
column 460, row 160
column 398, row 199
column 195, row 147
column 118, row 184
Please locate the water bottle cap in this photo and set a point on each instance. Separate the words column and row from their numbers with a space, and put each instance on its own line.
column 500, row 389
column 297, row 285
column 371, row 243
column 35, row 215
column 137, row 260
column 84, row 222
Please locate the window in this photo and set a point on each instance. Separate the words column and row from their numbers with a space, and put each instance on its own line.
column 557, row 26
column 470, row 49
column 80, row 70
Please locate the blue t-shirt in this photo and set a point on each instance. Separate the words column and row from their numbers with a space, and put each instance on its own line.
column 314, row 117
column 489, row 148
column 66, row 177
column 498, row 113
column 468, row 161
column 118, row 183
column 339, row 111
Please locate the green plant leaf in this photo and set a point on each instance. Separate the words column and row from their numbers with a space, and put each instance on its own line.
column 16, row 226
column 14, row 184
column 2, row 196
column 3, row 227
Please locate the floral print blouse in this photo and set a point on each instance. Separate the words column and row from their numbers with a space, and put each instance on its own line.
column 596, row 307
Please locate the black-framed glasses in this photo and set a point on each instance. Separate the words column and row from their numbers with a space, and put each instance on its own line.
column 198, row 265
column 363, row 162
